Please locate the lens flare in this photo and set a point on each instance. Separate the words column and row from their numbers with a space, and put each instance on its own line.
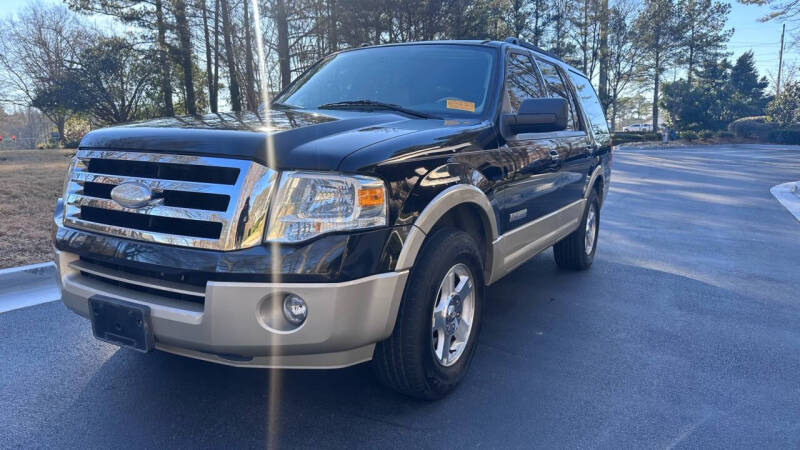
column 274, row 375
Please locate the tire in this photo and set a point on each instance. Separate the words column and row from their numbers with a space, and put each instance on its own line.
column 571, row 252
column 407, row 361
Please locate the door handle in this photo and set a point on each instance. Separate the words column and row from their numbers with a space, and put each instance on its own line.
column 556, row 159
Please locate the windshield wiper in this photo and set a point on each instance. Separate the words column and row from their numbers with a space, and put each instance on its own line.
column 372, row 104
column 283, row 105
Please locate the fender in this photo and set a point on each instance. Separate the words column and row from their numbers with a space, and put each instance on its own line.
column 596, row 173
column 436, row 209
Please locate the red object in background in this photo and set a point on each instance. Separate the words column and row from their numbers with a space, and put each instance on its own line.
column 14, row 138
column 1, row 138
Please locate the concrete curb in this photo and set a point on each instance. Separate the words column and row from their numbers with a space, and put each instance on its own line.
column 28, row 285
column 788, row 194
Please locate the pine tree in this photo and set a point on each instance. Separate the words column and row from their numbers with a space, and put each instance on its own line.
column 747, row 89
column 540, row 10
column 659, row 30
column 705, row 35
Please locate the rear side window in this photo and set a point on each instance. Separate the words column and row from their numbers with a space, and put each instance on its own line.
column 592, row 107
column 521, row 80
column 558, row 87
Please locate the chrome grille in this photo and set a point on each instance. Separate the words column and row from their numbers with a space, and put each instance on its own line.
column 204, row 202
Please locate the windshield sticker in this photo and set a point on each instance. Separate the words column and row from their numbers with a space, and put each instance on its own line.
column 461, row 105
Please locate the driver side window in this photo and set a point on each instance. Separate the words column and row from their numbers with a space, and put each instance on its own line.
column 522, row 81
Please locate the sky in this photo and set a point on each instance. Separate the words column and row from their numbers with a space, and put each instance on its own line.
column 749, row 33
column 763, row 38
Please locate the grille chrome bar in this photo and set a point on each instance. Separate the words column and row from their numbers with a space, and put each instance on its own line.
column 158, row 210
column 242, row 221
column 131, row 233
column 154, row 184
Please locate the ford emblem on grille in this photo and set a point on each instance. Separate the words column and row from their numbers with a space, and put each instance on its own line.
column 132, row 194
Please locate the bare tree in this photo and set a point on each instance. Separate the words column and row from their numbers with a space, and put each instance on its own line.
column 584, row 20
column 214, row 97
column 230, row 57
column 560, row 21
column 602, row 81
column 142, row 14
column 282, row 25
column 249, row 72
column 185, row 54
column 210, row 71
column 163, row 60
column 113, row 77
column 624, row 53
column 37, row 49
column 659, row 33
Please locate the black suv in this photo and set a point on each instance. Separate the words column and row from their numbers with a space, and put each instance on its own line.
column 358, row 217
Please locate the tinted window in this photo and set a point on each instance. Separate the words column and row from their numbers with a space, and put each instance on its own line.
column 446, row 80
column 591, row 107
column 558, row 87
column 521, row 80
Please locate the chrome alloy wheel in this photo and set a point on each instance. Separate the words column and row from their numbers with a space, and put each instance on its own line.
column 591, row 230
column 453, row 313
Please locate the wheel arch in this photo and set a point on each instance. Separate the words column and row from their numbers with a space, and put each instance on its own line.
column 596, row 179
column 463, row 206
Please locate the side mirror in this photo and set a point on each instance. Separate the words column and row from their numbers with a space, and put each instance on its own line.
column 537, row 115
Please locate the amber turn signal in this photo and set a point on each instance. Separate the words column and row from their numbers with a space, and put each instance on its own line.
column 370, row 197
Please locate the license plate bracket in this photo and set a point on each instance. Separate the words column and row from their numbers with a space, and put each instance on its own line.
column 122, row 323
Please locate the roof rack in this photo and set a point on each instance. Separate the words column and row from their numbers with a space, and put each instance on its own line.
column 521, row 43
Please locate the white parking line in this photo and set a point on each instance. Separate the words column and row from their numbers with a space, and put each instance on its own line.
column 25, row 286
column 788, row 194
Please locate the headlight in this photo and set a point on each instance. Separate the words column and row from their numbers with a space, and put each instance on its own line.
column 310, row 204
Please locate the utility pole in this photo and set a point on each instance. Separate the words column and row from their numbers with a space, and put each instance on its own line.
column 780, row 64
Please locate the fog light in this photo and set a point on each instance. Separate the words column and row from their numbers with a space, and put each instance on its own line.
column 295, row 309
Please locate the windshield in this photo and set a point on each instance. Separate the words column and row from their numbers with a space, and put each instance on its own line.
column 442, row 80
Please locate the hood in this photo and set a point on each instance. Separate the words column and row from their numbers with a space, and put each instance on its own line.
column 299, row 139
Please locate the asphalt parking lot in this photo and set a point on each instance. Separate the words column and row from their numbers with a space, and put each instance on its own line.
column 685, row 332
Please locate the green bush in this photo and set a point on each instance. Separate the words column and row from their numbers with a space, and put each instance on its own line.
column 706, row 134
column 625, row 137
column 725, row 134
column 688, row 135
column 788, row 135
column 785, row 108
column 752, row 127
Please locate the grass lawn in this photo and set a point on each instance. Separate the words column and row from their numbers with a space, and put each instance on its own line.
column 30, row 183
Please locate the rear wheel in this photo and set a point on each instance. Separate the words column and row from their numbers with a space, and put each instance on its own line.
column 576, row 251
column 435, row 335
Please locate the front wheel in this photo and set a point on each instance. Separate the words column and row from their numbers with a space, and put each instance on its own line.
column 437, row 326
column 576, row 251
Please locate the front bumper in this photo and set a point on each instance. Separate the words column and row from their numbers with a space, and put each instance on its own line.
column 232, row 325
